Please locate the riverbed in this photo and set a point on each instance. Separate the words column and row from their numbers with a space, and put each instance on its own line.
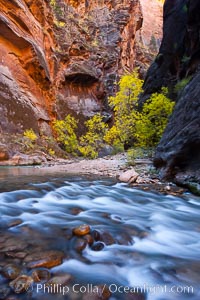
column 145, row 245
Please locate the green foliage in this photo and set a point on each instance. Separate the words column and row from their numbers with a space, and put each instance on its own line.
column 185, row 8
column 66, row 135
column 182, row 84
column 112, row 136
column 130, row 86
column 30, row 138
column 138, row 153
column 153, row 119
column 92, row 141
column 51, row 152
column 30, row 135
column 59, row 23
column 57, row 10
column 53, row 3
column 185, row 59
column 89, row 144
column 124, row 106
column 146, row 127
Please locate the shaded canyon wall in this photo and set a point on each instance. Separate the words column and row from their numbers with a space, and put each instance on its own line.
column 177, row 154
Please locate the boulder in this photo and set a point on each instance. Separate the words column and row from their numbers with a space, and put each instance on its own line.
column 4, row 154
column 26, row 160
column 129, row 176
column 21, row 284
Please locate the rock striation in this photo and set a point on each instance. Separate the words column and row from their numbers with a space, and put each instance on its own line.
column 63, row 56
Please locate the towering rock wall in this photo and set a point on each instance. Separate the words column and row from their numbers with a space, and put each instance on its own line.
column 26, row 70
column 58, row 56
column 148, row 38
column 61, row 56
column 178, row 60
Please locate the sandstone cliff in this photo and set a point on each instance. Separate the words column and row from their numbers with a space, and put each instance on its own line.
column 178, row 61
column 61, row 56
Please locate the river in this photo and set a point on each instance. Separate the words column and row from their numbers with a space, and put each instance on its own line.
column 151, row 241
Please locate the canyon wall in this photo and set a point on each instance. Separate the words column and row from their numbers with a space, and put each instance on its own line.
column 177, row 66
column 64, row 56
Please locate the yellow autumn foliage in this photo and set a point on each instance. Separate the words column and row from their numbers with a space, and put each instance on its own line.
column 66, row 133
column 92, row 141
column 30, row 135
column 144, row 127
column 141, row 128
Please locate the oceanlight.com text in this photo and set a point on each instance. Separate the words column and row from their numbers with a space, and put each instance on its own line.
column 113, row 289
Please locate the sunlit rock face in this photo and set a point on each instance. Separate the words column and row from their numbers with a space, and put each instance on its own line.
column 148, row 38
column 63, row 56
column 151, row 30
column 26, row 71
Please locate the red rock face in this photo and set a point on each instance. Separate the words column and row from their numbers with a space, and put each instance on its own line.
column 25, row 67
column 62, row 56
column 148, row 38
column 151, row 30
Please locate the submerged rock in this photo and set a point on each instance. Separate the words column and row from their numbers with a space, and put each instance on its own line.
column 4, row 291
column 14, row 254
column 99, row 292
column 15, row 222
column 21, row 284
column 98, row 246
column 135, row 296
column 12, row 244
column 81, row 230
column 80, row 244
column 96, row 235
column 59, row 280
column 46, row 259
column 11, row 271
column 40, row 275
column 107, row 238
column 89, row 239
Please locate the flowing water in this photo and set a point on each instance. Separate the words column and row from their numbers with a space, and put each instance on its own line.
column 156, row 246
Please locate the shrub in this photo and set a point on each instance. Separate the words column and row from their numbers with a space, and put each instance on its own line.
column 30, row 135
column 30, row 138
column 59, row 23
column 92, row 141
column 144, row 128
column 51, row 152
column 112, row 136
column 124, row 106
column 65, row 133
column 138, row 153
column 182, row 84
column 153, row 119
